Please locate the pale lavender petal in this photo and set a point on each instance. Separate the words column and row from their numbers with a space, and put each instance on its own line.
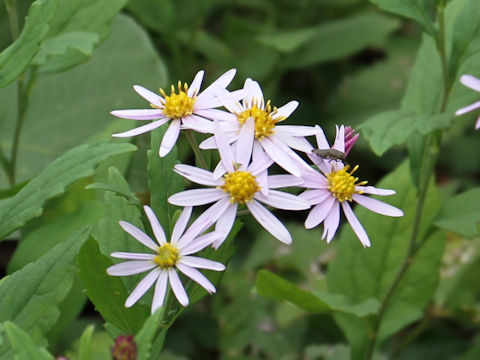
column 244, row 144
column 194, row 87
column 170, row 138
column 279, row 181
column 201, row 242
column 210, row 143
column 295, row 142
column 223, row 81
column 269, row 222
column 142, row 129
column 339, row 143
column 286, row 110
column 225, row 223
column 226, row 154
column 471, row 81
column 139, row 114
column 319, row 213
column 130, row 268
column 260, row 160
column 197, row 123
column 255, row 92
column 177, row 287
column 142, row 287
column 355, row 224
column 292, row 154
column 213, row 213
column 315, row 196
column 468, row 108
column 280, row 157
column 197, row 175
column 133, row 256
column 377, row 206
column 297, row 130
column 196, row 197
column 201, row 263
column 196, row 276
column 148, row 95
column 156, row 227
column 181, row 224
column 215, row 114
column 314, row 179
column 477, row 124
column 330, row 225
column 160, row 291
column 375, row 191
column 322, row 141
column 138, row 234
column 218, row 172
column 283, row 200
column 230, row 100
column 262, row 181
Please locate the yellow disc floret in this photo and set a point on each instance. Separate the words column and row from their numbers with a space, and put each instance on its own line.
column 167, row 256
column 178, row 105
column 264, row 123
column 241, row 186
column 342, row 184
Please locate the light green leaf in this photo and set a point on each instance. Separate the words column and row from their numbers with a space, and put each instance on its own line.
column 15, row 59
column 85, row 346
column 461, row 214
column 395, row 127
column 23, row 345
column 30, row 296
column 52, row 181
column 107, row 292
column 151, row 330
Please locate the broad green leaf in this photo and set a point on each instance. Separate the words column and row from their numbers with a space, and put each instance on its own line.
column 273, row 286
column 52, row 181
column 30, row 296
column 156, row 15
column 85, row 346
column 163, row 181
column 461, row 214
column 395, row 127
column 70, row 108
column 362, row 274
column 418, row 10
column 107, row 292
column 15, row 59
column 23, row 345
column 151, row 329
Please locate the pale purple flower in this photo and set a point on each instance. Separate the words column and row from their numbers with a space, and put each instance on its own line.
column 473, row 83
column 277, row 140
column 167, row 258
column 239, row 181
column 334, row 187
column 185, row 107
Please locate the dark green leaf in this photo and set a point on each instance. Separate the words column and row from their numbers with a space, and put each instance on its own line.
column 23, row 345
column 85, row 347
column 151, row 329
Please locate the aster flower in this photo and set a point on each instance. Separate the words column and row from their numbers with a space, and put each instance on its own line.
column 473, row 83
column 239, row 181
column 335, row 187
column 277, row 140
column 185, row 106
column 167, row 259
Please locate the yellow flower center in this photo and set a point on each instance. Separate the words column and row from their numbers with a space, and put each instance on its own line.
column 342, row 184
column 241, row 186
column 167, row 256
column 178, row 105
column 264, row 123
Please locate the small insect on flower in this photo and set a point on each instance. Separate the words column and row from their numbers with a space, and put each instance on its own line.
column 330, row 154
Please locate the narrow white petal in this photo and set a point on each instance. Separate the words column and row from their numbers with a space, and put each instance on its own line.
column 319, row 213
column 315, row 196
column 330, row 225
column 194, row 87
column 142, row 129
column 133, row 256
column 229, row 99
column 260, row 160
column 295, row 142
column 177, row 287
column 477, row 124
column 292, row 154
column 148, row 95
column 215, row 114
column 196, row 197
column 130, row 268
column 468, row 108
column 297, row 130
column 244, row 144
column 471, row 81
column 283, row 200
column 170, row 138
column 286, row 110
column 196, row 276
column 197, row 123
column 226, row 154
column 279, row 181
column 156, row 227
column 280, row 157
column 355, row 224
column 181, row 224
column 322, row 141
column 262, row 180
column 142, row 287
column 223, row 81
column 377, row 206
column 201, row 242
column 210, row 143
column 225, row 223
column 314, row 179
column 201, row 263
column 269, row 222
column 160, row 291
column 375, row 191
column 139, row 114
column 197, row 175
column 255, row 91
column 339, row 143
column 138, row 234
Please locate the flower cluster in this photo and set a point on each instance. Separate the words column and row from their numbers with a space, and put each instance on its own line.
column 250, row 138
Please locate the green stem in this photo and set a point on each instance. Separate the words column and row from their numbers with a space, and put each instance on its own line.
column 196, row 149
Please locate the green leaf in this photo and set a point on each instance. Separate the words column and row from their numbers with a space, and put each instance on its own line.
column 395, row 127
column 30, row 296
column 418, row 10
column 461, row 214
column 163, row 181
column 73, row 165
column 23, row 345
column 107, row 292
column 362, row 274
column 15, row 59
column 85, row 346
column 151, row 330
column 273, row 286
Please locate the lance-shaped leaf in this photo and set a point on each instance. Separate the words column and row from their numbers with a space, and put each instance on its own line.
column 52, row 181
column 23, row 345
column 151, row 332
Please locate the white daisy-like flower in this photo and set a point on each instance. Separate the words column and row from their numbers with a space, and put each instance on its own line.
column 185, row 106
column 239, row 181
column 167, row 259
column 277, row 140
column 334, row 186
column 473, row 83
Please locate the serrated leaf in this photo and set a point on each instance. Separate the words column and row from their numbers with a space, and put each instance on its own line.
column 461, row 214
column 395, row 127
column 15, row 59
column 52, row 181
column 107, row 292
column 151, row 329
column 30, row 296
column 23, row 345
column 85, row 346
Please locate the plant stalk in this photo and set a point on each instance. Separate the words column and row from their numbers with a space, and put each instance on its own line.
column 196, row 149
